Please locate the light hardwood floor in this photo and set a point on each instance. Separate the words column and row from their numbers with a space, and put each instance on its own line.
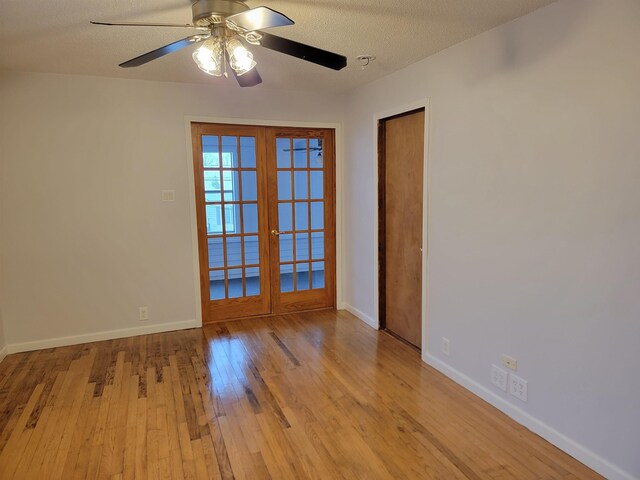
column 316, row 395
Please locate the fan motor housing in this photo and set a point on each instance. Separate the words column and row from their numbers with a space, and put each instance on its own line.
column 212, row 12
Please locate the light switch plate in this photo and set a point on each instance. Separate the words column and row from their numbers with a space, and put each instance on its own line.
column 168, row 195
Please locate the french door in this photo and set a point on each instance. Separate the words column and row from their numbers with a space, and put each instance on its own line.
column 265, row 205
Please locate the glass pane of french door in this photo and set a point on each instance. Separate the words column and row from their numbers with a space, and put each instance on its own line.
column 232, row 218
column 303, row 233
column 300, row 240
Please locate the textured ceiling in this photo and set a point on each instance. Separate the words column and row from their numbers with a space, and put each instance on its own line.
column 55, row 36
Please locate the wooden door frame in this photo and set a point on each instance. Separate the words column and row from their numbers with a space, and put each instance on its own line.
column 191, row 193
column 379, row 217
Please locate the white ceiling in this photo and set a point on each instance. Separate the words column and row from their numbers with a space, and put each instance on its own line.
column 55, row 36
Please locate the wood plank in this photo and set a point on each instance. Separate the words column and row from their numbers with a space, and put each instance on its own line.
column 11, row 454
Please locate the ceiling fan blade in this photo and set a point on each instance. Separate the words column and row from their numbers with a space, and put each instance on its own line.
column 257, row 19
column 305, row 52
column 249, row 79
column 162, row 51
column 138, row 24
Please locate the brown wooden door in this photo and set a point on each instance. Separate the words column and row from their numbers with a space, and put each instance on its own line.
column 401, row 179
column 302, row 218
column 266, row 225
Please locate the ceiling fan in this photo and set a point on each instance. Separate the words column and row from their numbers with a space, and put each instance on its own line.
column 223, row 26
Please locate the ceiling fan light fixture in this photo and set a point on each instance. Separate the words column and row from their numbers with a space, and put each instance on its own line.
column 209, row 57
column 240, row 59
column 226, row 26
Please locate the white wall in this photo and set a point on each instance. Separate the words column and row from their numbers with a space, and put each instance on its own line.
column 86, row 239
column 534, row 227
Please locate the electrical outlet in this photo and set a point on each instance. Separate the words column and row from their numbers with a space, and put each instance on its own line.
column 499, row 378
column 518, row 387
column 144, row 313
column 510, row 362
column 445, row 346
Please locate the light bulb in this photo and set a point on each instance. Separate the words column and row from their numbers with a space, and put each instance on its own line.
column 240, row 59
column 209, row 57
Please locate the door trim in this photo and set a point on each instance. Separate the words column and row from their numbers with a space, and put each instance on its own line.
column 191, row 193
column 400, row 110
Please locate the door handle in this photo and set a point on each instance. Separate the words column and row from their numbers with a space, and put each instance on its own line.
column 275, row 233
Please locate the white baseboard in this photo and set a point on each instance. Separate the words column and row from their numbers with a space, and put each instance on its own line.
column 365, row 318
column 573, row 448
column 4, row 352
column 99, row 336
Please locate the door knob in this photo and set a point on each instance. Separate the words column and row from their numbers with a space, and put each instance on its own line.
column 275, row 233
